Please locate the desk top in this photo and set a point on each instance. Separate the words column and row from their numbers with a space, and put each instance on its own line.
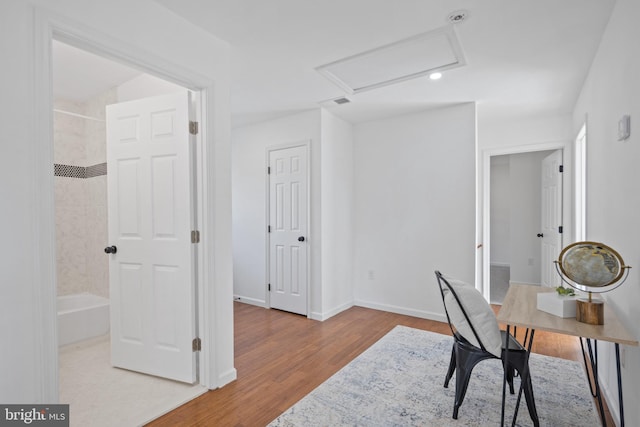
column 520, row 309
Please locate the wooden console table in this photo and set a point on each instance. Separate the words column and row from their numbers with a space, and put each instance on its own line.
column 519, row 309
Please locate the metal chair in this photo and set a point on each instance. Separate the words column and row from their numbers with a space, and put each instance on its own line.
column 468, row 351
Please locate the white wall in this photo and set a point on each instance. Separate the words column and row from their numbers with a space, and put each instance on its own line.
column 508, row 135
column 28, row 360
column 613, row 173
column 249, row 181
column 330, row 236
column 144, row 86
column 337, row 214
column 494, row 132
column 414, row 208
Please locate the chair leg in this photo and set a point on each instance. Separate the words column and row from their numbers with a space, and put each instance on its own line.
column 528, row 396
column 452, row 367
column 465, row 362
column 521, row 364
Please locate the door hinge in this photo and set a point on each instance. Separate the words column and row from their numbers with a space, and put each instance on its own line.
column 195, row 236
column 193, row 128
column 561, row 168
column 268, row 229
column 560, row 229
column 269, row 287
column 268, row 170
column 196, row 344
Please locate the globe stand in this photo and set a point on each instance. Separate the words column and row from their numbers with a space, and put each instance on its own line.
column 590, row 311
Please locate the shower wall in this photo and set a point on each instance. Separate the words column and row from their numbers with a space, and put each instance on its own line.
column 81, row 195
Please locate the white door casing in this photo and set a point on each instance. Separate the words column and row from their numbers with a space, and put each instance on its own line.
column 150, row 197
column 551, row 218
column 288, row 228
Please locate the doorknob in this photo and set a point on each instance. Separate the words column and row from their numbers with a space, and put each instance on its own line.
column 540, row 235
column 110, row 250
column 301, row 239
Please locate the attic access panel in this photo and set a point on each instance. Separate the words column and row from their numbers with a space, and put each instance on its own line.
column 406, row 59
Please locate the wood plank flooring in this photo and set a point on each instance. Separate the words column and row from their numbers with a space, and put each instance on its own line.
column 280, row 357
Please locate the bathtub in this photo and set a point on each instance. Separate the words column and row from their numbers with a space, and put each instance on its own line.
column 81, row 316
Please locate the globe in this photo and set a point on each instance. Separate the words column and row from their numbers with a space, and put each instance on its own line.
column 591, row 265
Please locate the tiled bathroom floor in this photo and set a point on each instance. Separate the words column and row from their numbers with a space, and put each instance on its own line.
column 100, row 395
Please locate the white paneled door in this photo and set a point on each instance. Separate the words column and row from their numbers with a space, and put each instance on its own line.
column 551, row 230
column 288, row 239
column 151, row 277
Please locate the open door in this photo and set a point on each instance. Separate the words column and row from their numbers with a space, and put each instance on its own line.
column 151, row 269
column 288, row 206
column 551, row 218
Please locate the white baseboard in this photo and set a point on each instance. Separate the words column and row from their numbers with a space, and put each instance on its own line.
column 499, row 264
column 513, row 282
column 330, row 313
column 252, row 301
column 227, row 377
column 423, row 314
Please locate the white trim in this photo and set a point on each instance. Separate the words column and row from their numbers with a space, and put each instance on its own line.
column 500, row 264
column 330, row 313
column 580, row 184
column 515, row 282
column 438, row 317
column 448, row 31
column 250, row 301
column 307, row 144
column 485, row 206
column 44, row 292
column 46, row 26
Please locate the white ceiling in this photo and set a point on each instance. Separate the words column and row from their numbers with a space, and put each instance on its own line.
column 79, row 75
column 523, row 57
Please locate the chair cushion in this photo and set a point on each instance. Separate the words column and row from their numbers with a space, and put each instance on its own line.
column 479, row 311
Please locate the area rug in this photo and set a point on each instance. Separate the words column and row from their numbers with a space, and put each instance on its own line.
column 398, row 381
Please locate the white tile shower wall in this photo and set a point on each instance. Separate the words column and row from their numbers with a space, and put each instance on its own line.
column 68, row 134
column 96, row 207
column 70, row 234
column 81, row 204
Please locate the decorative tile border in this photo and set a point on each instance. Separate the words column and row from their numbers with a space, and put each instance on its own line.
column 69, row 171
column 96, row 170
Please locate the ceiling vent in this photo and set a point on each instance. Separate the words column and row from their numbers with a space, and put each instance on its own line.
column 406, row 59
column 343, row 100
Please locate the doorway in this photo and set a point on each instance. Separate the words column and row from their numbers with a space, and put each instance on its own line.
column 80, row 156
column 512, row 196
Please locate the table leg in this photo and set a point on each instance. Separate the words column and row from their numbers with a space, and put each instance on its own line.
column 504, row 378
column 595, row 386
column 620, row 401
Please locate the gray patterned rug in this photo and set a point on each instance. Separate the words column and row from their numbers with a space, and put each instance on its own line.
column 398, row 382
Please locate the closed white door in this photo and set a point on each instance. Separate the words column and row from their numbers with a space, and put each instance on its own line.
column 288, row 241
column 551, row 230
column 151, row 278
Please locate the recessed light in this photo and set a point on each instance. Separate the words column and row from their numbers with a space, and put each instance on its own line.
column 458, row 16
column 435, row 76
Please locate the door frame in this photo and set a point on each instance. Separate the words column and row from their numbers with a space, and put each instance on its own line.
column 484, row 210
column 49, row 26
column 307, row 144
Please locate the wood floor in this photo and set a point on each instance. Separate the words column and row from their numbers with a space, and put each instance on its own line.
column 280, row 357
